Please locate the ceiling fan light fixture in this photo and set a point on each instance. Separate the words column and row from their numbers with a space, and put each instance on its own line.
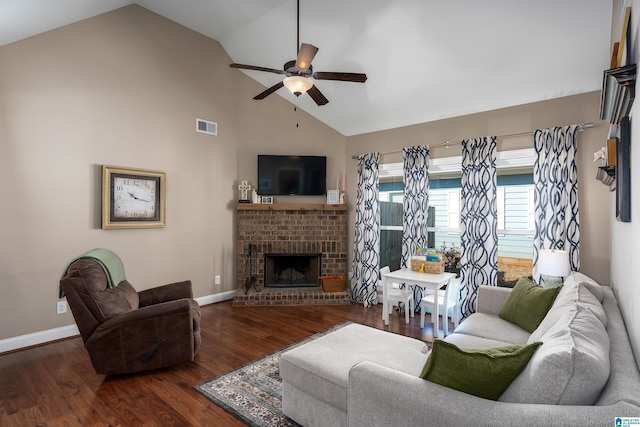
column 298, row 85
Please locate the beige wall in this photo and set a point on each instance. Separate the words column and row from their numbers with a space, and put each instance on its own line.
column 124, row 89
column 594, row 214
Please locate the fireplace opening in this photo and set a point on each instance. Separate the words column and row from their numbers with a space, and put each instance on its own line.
column 291, row 270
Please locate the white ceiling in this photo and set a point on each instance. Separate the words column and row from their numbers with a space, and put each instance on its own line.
column 425, row 59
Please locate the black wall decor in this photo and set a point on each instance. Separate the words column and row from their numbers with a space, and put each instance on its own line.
column 623, row 172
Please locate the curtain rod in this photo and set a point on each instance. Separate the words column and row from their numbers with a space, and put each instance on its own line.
column 447, row 144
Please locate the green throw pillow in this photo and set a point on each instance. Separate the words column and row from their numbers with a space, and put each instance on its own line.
column 483, row 373
column 528, row 303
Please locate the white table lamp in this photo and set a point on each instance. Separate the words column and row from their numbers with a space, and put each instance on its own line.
column 553, row 264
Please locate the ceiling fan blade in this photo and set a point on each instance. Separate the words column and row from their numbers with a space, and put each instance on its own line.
column 345, row 77
column 256, row 68
column 269, row 91
column 317, row 96
column 305, row 56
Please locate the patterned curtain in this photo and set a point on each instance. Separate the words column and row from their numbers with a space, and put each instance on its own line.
column 555, row 194
column 366, row 250
column 479, row 220
column 416, row 207
column 416, row 201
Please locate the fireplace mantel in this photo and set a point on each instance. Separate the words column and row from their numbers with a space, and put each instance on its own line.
column 289, row 207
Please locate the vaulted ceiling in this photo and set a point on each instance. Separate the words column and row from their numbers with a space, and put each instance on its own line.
column 425, row 59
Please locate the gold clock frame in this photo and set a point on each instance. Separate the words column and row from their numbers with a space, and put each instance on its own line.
column 109, row 220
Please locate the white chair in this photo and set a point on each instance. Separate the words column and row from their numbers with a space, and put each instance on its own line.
column 447, row 305
column 397, row 295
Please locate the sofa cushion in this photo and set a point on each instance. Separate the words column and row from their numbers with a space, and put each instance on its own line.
column 321, row 367
column 589, row 301
column 565, row 300
column 570, row 368
column 528, row 304
column 118, row 300
column 571, row 294
column 472, row 342
column 492, row 327
column 590, row 294
column 576, row 278
column 483, row 373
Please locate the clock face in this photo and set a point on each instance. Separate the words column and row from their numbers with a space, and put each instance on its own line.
column 134, row 198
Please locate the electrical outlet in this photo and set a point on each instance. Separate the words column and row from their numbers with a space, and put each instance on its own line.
column 217, row 279
column 61, row 307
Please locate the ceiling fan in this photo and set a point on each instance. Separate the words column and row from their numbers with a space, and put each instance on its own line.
column 299, row 72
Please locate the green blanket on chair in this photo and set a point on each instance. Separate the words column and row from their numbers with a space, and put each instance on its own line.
column 108, row 260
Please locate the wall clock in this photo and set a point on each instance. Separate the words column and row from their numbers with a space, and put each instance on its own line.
column 132, row 198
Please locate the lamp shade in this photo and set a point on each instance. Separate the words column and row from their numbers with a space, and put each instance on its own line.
column 553, row 262
column 297, row 85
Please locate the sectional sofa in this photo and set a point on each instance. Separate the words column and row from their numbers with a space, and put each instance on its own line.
column 584, row 372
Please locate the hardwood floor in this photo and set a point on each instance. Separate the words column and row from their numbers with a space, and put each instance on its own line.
column 55, row 384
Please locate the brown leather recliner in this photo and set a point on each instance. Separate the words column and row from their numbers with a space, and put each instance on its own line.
column 126, row 331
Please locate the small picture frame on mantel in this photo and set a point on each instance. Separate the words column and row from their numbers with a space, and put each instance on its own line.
column 333, row 197
column 266, row 200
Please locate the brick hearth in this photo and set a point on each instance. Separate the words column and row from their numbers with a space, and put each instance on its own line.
column 291, row 229
column 293, row 296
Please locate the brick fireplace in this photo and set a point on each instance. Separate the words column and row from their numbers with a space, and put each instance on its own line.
column 290, row 231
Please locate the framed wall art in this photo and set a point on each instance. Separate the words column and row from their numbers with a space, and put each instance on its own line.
column 333, row 197
column 132, row 198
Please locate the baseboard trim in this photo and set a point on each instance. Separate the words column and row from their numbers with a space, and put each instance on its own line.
column 43, row 337
column 28, row 340
column 214, row 298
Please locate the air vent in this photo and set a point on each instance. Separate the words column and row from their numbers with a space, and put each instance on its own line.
column 206, row 126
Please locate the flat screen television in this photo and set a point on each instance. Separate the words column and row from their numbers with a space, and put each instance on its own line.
column 292, row 175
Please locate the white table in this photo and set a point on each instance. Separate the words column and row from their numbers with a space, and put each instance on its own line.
column 429, row 281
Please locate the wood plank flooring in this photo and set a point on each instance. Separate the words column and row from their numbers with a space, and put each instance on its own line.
column 55, row 384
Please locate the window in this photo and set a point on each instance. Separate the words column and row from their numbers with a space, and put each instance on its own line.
column 514, row 199
column 391, row 207
column 500, row 203
column 453, row 209
column 532, row 210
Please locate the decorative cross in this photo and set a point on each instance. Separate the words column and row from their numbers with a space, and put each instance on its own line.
column 244, row 188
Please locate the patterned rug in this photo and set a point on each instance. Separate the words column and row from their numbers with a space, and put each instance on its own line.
column 253, row 392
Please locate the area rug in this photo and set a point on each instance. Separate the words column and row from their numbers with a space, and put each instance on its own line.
column 253, row 392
